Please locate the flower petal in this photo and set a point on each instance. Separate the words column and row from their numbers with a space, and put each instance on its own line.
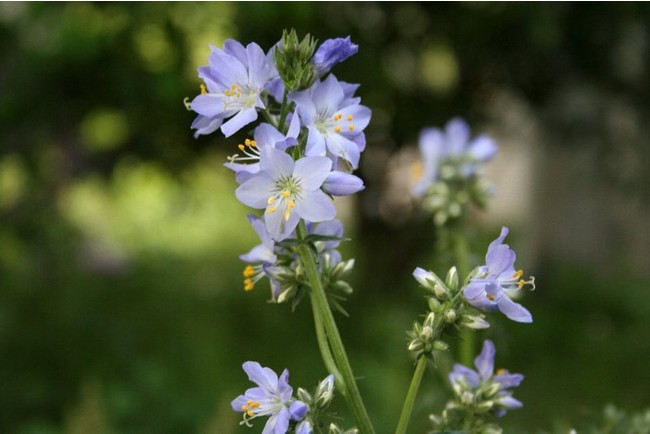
column 311, row 172
column 263, row 377
column 275, row 163
column 514, row 311
column 484, row 362
column 256, row 191
column 315, row 206
column 237, row 122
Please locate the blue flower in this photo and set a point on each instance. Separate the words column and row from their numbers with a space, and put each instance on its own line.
column 451, row 145
column 334, row 118
column 494, row 282
column 272, row 398
column 288, row 190
column 485, row 384
column 331, row 52
column 234, row 81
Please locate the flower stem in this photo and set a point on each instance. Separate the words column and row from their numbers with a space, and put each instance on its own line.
column 461, row 256
column 324, row 347
column 319, row 299
column 283, row 112
column 407, row 409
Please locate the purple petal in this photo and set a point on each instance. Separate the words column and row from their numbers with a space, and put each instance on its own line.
column 241, row 119
column 484, row 362
column 263, row 377
column 267, row 135
column 342, row 147
column 457, row 132
column 278, row 226
column 315, row 144
column 328, row 95
column 209, row 105
column 340, row 183
column 315, row 206
column 483, row 148
column 360, row 119
column 514, row 311
column 235, row 49
column 256, row 191
column 509, row 402
column 423, row 277
column 499, row 260
column 507, row 380
column 304, row 427
column 331, row 52
column 275, row 163
column 468, row 374
column 205, row 125
column 298, row 410
column 312, row 171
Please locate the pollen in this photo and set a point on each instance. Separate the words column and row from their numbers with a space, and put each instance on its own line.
column 203, row 89
column 337, row 129
column 337, row 117
column 491, row 297
column 248, row 285
column 350, row 117
column 270, row 200
column 521, row 283
column 241, row 147
column 286, row 194
column 291, row 204
column 233, row 91
column 249, row 271
column 287, row 214
column 351, row 127
column 271, row 210
column 500, row 371
column 518, row 274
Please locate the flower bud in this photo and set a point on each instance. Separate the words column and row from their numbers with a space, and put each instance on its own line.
column 298, row 410
column 492, row 390
column 466, row 398
column 450, row 316
column 485, row 406
column 452, row 279
column 340, row 183
column 475, row 322
column 440, row 345
column 433, row 303
column 426, row 334
column 440, row 291
column 331, row 52
column 303, row 395
column 430, row 319
column 415, row 345
column 325, row 391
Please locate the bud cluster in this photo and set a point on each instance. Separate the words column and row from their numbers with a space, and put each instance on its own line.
column 448, row 198
column 318, row 402
column 447, row 310
column 293, row 61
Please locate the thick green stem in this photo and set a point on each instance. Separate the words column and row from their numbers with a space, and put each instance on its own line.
column 407, row 409
column 284, row 110
column 324, row 347
column 461, row 256
column 319, row 299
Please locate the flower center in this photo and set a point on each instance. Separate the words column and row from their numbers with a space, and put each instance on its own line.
column 288, row 191
column 251, row 275
column 249, row 407
column 238, row 97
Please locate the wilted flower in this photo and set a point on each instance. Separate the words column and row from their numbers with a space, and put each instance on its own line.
column 234, row 81
column 289, row 190
column 497, row 281
column 272, row 398
column 335, row 120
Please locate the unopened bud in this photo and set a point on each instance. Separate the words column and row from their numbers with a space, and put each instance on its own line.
column 492, row 390
column 475, row 322
column 427, row 333
column 428, row 322
column 304, row 396
column 433, row 303
column 325, row 391
column 450, row 316
column 440, row 291
column 467, row 398
column 415, row 345
column 440, row 345
column 452, row 279
column 485, row 406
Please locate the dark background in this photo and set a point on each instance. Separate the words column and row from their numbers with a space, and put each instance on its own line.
column 121, row 301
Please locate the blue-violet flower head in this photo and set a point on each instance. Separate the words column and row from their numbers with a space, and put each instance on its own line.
column 234, row 81
column 495, row 282
column 331, row 52
column 288, row 190
column 271, row 398
column 334, row 119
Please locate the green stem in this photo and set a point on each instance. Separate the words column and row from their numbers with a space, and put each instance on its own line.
column 324, row 347
column 461, row 255
column 407, row 409
column 319, row 299
column 284, row 110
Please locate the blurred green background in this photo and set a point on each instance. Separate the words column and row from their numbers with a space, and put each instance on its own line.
column 121, row 301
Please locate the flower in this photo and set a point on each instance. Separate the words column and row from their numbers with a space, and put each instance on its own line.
column 484, row 388
column 265, row 135
column 335, row 120
column 331, row 52
column 288, row 190
column 272, row 397
column 340, row 183
column 494, row 283
column 234, row 81
column 453, row 146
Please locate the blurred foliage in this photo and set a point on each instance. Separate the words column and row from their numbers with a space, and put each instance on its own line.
column 120, row 301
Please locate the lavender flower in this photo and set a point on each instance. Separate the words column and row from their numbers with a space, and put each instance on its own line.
column 340, row 183
column 494, row 283
column 234, row 81
column 272, row 397
column 331, row 52
column 453, row 145
column 484, row 388
column 335, row 120
column 288, row 191
column 259, row 257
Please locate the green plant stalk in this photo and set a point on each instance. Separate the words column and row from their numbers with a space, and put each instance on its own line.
column 407, row 409
column 319, row 299
column 324, row 347
column 461, row 255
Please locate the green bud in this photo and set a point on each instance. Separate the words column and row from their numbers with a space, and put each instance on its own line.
column 485, row 406
column 429, row 321
column 492, row 390
column 450, row 316
column 433, row 303
column 342, row 286
column 287, row 293
column 452, row 279
column 427, row 333
column 293, row 61
column 304, row 396
column 440, row 291
column 416, row 345
column 467, row 398
column 440, row 345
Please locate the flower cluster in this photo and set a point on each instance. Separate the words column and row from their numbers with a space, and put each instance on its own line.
column 273, row 398
column 447, row 177
column 479, row 392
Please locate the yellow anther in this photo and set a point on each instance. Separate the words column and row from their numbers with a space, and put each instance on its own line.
column 521, row 283
column 491, row 297
column 500, row 371
column 417, row 171
column 249, row 271
column 252, row 144
column 291, row 204
column 271, row 210
column 270, row 200
column 351, row 127
column 247, row 142
column 287, row 214
column 203, row 89
column 350, row 117
column 338, row 116
column 254, row 404
column 248, row 285
column 241, row 147
column 337, row 129
column 244, row 408
column 286, row 194
column 518, row 274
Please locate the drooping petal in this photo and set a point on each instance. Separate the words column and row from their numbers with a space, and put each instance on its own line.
column 237, row 122
column 315, row 206
column 507, row 380
column 514, row 311
column 311, row 172
column 509, row 402
column 484, row 362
